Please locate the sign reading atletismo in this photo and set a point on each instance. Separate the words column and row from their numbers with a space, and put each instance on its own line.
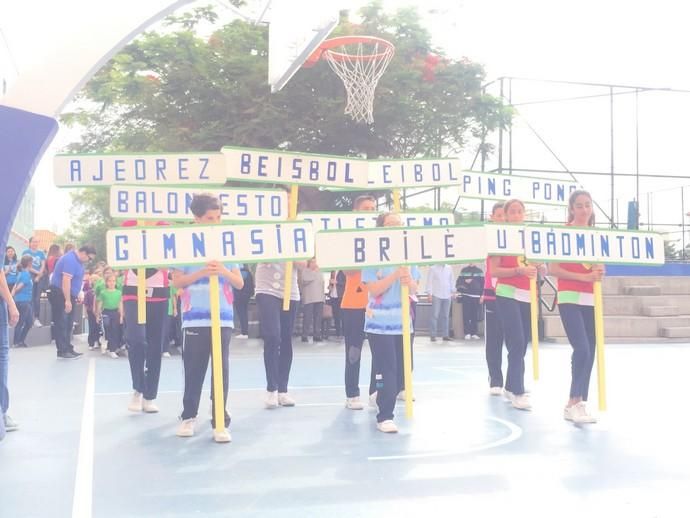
column 351, row 220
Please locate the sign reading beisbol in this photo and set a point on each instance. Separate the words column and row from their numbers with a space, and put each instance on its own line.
column 94, row 170
column 163, row 203
column 157, row 246
column 388, row 246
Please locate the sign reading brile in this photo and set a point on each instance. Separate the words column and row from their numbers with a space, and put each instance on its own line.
column 389, row 246
column 135, row 247
column 95, row 170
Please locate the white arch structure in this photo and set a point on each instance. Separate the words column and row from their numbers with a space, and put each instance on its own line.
column 53, row 56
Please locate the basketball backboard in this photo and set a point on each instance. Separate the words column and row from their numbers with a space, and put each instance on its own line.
column 296, row 29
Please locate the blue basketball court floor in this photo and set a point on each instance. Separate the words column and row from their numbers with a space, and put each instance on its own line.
column 79, row 452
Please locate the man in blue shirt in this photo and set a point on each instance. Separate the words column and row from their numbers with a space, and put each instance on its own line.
column 65, row 285
column 38, row 272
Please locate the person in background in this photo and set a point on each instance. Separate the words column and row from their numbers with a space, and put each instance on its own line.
column 38, row 276
column 312, row 291
column 242, row 298
column 54, row 253
column 94, row 337
column 470, row 285
column 440, row 286
column 336, row 289
column 9, row 316
column 109, row 309
column 22, row 293
column 10, row 266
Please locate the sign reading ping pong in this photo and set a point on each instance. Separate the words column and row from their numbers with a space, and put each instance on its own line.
column 382, row 246
column 591, row 245
column 352, row 220
column 491, row 186
column 261, row 165
column 136, row 247
column 93, row 170
column 161, row 203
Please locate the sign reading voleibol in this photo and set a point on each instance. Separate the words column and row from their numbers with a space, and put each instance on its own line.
column 163, row 203
column 591, row 245
column 263, row 165
column 350, row 220
column 93, row 170
column 136, row 247
column 386, row 246
column 422, row 172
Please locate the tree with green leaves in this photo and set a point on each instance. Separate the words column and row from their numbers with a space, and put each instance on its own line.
column 175, row 90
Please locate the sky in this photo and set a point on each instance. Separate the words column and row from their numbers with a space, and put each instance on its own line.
column 606, row 41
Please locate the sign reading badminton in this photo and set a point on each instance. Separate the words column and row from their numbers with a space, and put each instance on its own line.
column 423, row 172
column 351, row 249
column 134, row 247
column 161, row 203
column 93, row 170
column 261, row 165
column 569, row 244
column 352, row 220
column 504, row 187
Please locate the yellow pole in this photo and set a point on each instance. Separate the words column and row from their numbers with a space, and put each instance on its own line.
column 292, row 214
column 141, row 291
column 216, row 356
column 599, row 334
column 407, row 343
column 534, row 319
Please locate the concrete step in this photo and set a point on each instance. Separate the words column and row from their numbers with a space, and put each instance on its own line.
column 622, row 326
column 676, row 332
column 660, row 311
column 634, row 305
column 36, row 336
column 639, row 291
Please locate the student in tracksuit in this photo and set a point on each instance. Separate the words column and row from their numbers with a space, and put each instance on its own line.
column 383, row 325
column 513, row 303
column 493, row 331
column 196, row 323
column 576, row 307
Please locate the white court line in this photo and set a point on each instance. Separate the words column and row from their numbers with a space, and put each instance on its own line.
column 263, row 389
column 515, row 434
column 82, row 503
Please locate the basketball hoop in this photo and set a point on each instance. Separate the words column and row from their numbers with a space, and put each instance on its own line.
column 359, row 61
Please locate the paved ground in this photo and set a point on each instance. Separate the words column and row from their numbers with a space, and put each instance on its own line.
column 80, row 453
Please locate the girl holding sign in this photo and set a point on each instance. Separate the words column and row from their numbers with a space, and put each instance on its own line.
column 576, row 307
column 384, row 326
column 513, row 304
column 196, row 322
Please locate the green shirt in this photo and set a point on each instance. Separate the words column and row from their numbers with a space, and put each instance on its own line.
column 110, row 298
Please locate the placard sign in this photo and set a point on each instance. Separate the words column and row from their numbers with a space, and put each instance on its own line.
column 161, row 203
column 491, row 186
column 387, row 246
column 94, row 170
column 351, row 220
column 423, row 172
column 571, row 244
column 134, row 247
column 505, row 238
column 262, row 165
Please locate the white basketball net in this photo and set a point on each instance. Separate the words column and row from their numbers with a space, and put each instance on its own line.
column 360, row 72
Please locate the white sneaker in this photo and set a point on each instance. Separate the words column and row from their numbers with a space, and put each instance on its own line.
column 468, row 337
column 271, row 399
column 113, row 355
column 243, row 336
column 37, row 323
column 135, row 404
column 285, row 400
column 519, row 401
column 354, row 403
column 401, row 396
column 577, row 413
column 222, row 436
column 166, row 354
column 496, row 391
column 186, row 428
column 387, row 426
column 149, row 406
column 372, row 401
column 475, row 337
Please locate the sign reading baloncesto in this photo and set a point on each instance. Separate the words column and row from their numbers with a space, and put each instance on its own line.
column 573, row 244
column 93, row 170
column 135, row 247
column 352, row 220
column 262, row 165
column 162, row 203
column 386, row 246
